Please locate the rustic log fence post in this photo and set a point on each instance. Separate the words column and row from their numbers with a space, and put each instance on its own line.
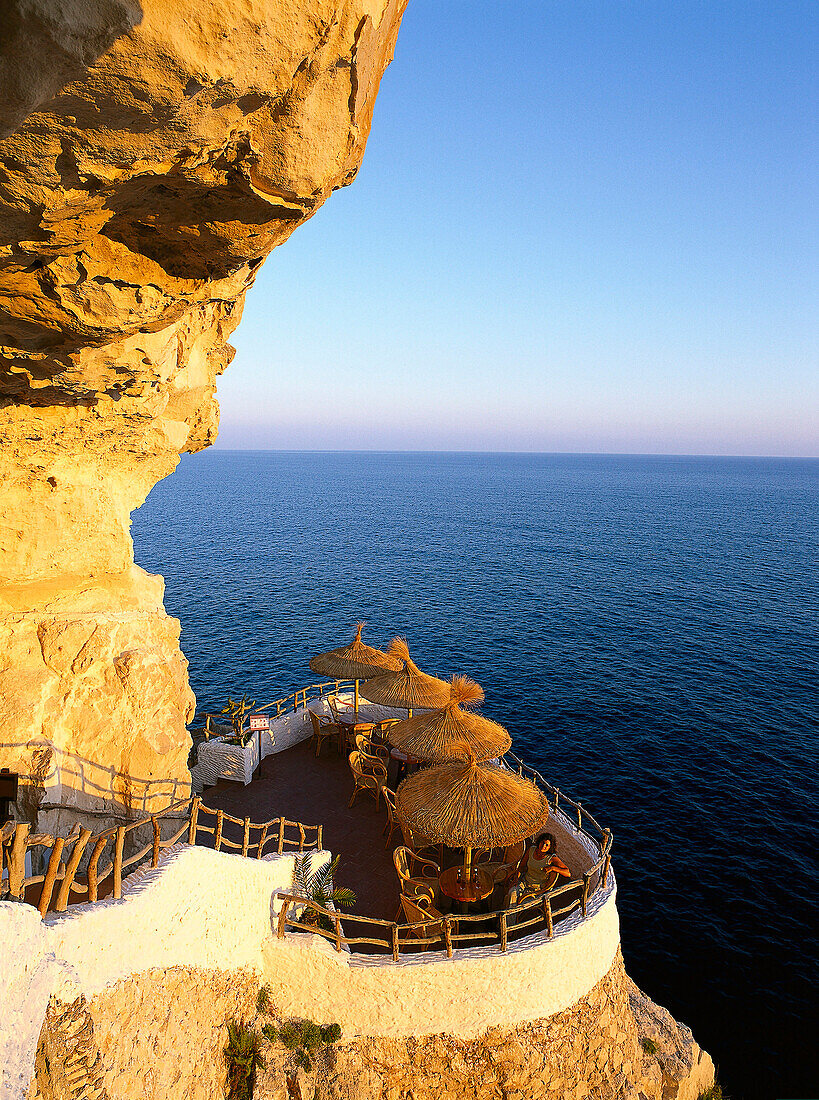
column 51, row 875
column 17, row 860
column 337, row 923
column 157, row 838
column 246, row 837
column 395, row 945
column 262, row 839
column 549, row 919
column 71, row 870
column 119, row 844
column 586, row 878
column 503, row 930
column 194, row 819
column 282, row 925
column 93, row 885
column 281, row 835
column 220, row 822
column 448, row 937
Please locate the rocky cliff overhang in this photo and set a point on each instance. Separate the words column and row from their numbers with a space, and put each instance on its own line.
column 153, row 153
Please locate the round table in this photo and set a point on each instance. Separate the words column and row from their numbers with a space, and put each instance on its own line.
column 403, row 763
column 479, row 887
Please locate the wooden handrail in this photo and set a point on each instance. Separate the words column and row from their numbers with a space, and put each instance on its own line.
column 402, row 934
column 66, row 852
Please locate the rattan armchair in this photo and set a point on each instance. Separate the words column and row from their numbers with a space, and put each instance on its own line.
column 385, row 723
column 392, row 823
column 419, row 843
column 503, row 865
column 365, row 744
column 416, row 875
column 339, row 708
column 369, row 775
column 422, row 914
column 324, row 728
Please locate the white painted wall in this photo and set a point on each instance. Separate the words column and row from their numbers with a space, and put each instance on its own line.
column 218, row 761
column 427, row 993
column 29, row 973
column 214, row 910
column 197, row 908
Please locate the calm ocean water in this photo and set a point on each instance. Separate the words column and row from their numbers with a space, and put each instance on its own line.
column 644, row 626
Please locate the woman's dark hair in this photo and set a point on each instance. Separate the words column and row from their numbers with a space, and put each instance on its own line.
column 546, row 836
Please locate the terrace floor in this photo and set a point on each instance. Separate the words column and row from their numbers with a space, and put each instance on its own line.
column 296, row 785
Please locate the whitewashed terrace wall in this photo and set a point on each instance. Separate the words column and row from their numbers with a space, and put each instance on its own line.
column 427, row 993
column 288, row 729
column 198, row 908
column 214, row 910
column 216, row 760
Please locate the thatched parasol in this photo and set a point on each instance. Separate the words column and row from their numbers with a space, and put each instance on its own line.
column 356, row 661
column 409, row 687
column 452, row 733
column 468, row 805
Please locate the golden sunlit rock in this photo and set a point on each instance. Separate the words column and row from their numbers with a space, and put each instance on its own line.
column 155, row 152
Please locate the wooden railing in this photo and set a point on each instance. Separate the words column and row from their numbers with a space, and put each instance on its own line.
column 107, row 864
column 305, row 695
column 560, row 801
column 443, row 933
column 474, row 929
column 293, row 702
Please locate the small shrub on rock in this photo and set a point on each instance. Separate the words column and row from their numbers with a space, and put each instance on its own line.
column 304, row 1038
column 714, row 1093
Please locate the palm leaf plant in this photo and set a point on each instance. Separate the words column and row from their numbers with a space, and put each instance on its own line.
column 318, row 886
column 243, row 1055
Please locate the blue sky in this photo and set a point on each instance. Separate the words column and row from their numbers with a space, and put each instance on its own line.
column 577, row 227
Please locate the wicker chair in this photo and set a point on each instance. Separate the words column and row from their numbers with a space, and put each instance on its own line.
column 369, row 775
column 508, row 862
column 382, row 726
column 392, row 823
column 419, row 843
column 324, row 728
column 365, row 745
column 339, row 708
column 415, row 872
column 421, row 912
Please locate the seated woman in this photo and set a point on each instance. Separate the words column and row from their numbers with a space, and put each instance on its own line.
column 540, row 869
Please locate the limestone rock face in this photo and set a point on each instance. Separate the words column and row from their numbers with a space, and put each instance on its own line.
column 154, row 152
column 614, row 1044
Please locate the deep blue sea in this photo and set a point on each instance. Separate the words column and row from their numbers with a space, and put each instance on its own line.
column 646, row 628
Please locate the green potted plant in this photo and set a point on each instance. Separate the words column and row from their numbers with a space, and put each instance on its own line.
column 318, row 886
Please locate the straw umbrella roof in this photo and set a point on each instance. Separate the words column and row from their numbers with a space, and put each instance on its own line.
column 452, row 733
column 356, row 661
column 409, row 686
column 469, row 805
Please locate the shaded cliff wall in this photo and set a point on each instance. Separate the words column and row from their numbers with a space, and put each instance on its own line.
column 154, row 153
